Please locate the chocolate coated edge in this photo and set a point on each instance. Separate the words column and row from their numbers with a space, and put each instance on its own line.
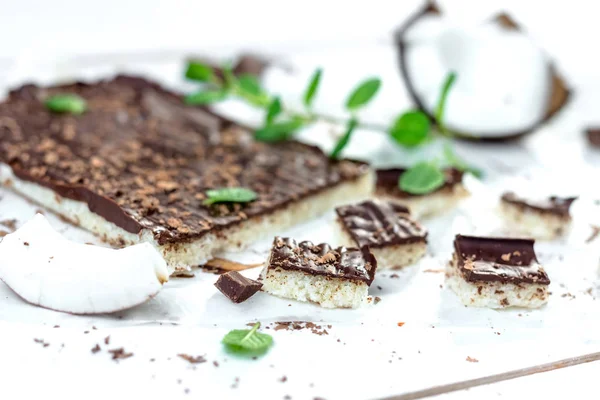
column 554, row 210
column 431, row 8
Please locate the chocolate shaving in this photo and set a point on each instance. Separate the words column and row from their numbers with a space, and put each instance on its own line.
column 96, row 348
column 120, row 354
column 595, row 233
column 192, row 359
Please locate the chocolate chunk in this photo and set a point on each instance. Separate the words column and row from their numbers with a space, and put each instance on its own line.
column 553, row 205
column 377, row 223
column 387, row 181
column 237, row 287
column 593, row 136
column 322, row 259
column 142, row 159
column 498, row 259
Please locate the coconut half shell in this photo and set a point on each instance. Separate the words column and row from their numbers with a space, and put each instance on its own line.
column 557, row 95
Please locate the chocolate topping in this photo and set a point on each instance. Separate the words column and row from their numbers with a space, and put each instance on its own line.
column 142, row 159
column 322, row 259
column 376, row 223
column 237, row 287
column 593, row 136
column 499, row 260
column 555, row 205
column 387, row 181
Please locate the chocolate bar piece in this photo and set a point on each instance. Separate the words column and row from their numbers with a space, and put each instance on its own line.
column 444, row 198
column 394, row 238
column 497, row 273
column 318, row 273
column 539, row 218
column 237, row 287
column 136, row 165
column 593, row 136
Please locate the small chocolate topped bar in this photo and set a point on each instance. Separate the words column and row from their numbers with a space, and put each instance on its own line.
column 545, row 218
column 497, row 273
column 237, row 287
column 444, row 198
column 333, row 278
column 394, row 238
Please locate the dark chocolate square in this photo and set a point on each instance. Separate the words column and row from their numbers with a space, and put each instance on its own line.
column 237, row 287
column 498, row 260
column 555, row 205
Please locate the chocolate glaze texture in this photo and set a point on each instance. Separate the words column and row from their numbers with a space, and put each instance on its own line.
column 499, row 260
column 322, row 259
column 376, row 223
column 553, row 204
column 387, row 181
column 142, row 159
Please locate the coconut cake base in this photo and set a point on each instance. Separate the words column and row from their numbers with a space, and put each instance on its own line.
column 181, row 256
column 532, row 223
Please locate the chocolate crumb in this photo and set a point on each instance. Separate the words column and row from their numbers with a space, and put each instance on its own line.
column 26, row 243
column 56, row 326
column 152, row 360
column 86, row 332
column 471, row 359
column 287, row 397
column 394, row 276
column 186, row 390
column 283, row 379
column 107, row 340
column 595, row 233
column 192, row 359
column 96, row 348
column 376, row 300
column 10, row 224
column 41, row 341
column 216, row 364
column 120, row 354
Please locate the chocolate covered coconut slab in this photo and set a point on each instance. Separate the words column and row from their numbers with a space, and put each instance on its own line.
column 135, row 166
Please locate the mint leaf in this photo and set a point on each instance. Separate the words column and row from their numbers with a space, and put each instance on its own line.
column 422, row 178
column 344, row 140
column 311, row 91
column 229, row 195
column 205, row 97
column 439, row 110
column 66, row 103
column 278, row 131
column 453, row 161
column 250, row 85
column 273, row 111
column 411, row 129
column 200, row 72
column 240, row 340
column 363, row 93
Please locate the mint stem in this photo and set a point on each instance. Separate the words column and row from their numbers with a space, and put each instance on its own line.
column 254, row 329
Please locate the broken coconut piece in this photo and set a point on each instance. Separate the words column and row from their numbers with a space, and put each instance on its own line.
column 237, row 287
column 506, row 85
column 546, row 218
column 394, row 238
column 47, row 270
column 497, row 273
column 443, row 199
column 332, row 278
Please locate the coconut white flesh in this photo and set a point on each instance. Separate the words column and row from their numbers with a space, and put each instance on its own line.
column 47, row 270
column 504, row 81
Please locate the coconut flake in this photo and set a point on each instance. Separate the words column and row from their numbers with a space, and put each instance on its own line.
column 47, row 270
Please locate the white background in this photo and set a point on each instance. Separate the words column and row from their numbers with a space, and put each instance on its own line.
column 36, row 36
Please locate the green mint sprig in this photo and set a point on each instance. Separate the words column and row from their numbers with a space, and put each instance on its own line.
column 229, row 195
column 247, row 340
column 409, row 129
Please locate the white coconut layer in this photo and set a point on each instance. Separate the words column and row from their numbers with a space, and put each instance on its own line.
column 46, row 269
column 431, row 204
column 389, row 257
column 503, row 81
column 328, row 292
column 180, row 257
column 495, row 294
column 532, row 223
